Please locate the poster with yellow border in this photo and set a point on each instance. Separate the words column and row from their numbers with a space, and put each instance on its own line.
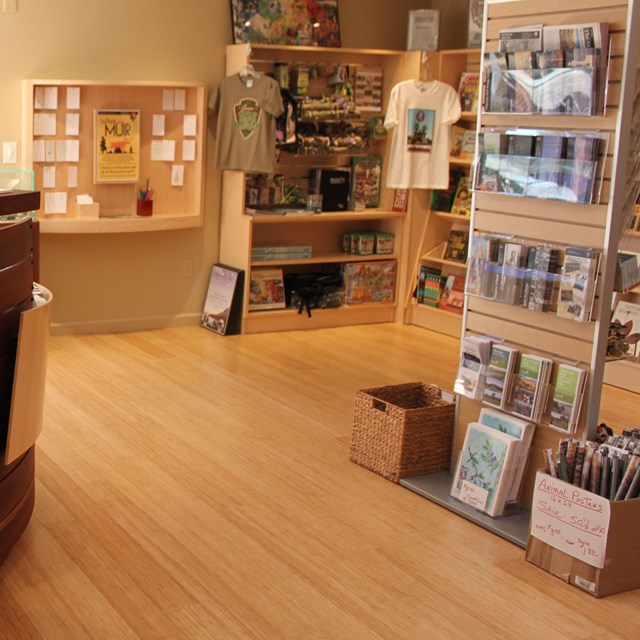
column 117, row 145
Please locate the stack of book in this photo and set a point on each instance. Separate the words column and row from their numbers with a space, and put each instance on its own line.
column 486, row 467
column 475, row 353
column 429, row 286
column 279, row 252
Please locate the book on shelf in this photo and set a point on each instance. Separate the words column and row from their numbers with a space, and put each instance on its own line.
column 485, row 468
column 530, row 388
column 577, row 283
column 475, row 352
column 266, row 290
column 452, row 295
column 400, row 200
column 366, row 173
column 468, row 90
column 463, row 143
column 625, row 327
column 280, row 251
column 567, row 396
column 429, row 286
column 462, row 199
column 517, row 428
column 502, row 365
column 457, row 245
column 442, row 199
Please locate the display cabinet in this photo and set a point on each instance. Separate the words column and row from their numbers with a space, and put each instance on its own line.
column 323, row 232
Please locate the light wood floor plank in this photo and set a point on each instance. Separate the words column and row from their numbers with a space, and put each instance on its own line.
column 194, row 486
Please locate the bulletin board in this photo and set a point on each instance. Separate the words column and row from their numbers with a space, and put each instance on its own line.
column 95, row 147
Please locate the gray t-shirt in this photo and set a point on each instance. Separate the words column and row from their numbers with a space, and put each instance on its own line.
column 246, row 130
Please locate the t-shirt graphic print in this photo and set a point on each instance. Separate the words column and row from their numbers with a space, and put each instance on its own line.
column 420, row 129
column 247, row 117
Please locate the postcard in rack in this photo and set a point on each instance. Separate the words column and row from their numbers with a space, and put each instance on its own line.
column 531, row 385
column 567, row 397
column 500, row 372
column 577, row 283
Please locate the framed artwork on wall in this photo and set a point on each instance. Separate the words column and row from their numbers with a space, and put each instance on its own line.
column 476, row 13
column 301, row 22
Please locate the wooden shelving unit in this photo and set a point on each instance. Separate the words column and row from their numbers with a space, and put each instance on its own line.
column 430, row 228
column 597, row 226
column 324, row 231
column 174, row 207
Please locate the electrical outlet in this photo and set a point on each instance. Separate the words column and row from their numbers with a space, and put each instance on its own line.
column 186, row 268
column 9, row 152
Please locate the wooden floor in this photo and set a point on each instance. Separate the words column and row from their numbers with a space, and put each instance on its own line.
column 197, row 486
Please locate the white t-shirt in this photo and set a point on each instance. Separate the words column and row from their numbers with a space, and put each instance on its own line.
column 420, row 114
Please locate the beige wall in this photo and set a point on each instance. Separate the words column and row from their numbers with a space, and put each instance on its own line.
column 132, row 281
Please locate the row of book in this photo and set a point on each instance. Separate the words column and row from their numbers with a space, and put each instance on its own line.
column 456, row 199
column 541, row 165
column 539, row 277
column 491, row 465
column 280, row 251
column 440, row 291
column 500, row 375
column 607, row 470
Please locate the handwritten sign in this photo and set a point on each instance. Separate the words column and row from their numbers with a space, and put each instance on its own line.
column 570, row 519
column 473, row 495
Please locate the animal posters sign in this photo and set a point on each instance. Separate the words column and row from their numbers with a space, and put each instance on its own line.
column 117, row 145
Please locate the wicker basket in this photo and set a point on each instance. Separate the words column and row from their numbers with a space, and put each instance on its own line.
column 402, row 430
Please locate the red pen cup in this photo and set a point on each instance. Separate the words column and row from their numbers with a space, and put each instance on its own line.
column 144, row 207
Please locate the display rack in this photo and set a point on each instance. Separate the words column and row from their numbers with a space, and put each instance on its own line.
column 324, row 231
column 430, row 228
column 177, row 206
column 586, row 225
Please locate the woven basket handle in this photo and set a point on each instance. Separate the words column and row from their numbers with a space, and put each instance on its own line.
column 379, row 405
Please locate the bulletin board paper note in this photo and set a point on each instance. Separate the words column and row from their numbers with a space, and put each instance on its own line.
column 48, row 177
column 51, row 98
column 38, row 150
column 179, row 99
column 188, row 150
column 72, row 177
column 158, row 125
column 177, row 175
column 73, row 150
column 61, row 150
column 570, row 519
column 168, row 99
column 49, row 150
column 55, row 202
column 38, row 98
column 189, row 125
column 72, row 124
column 44, row 124
column 73, row 97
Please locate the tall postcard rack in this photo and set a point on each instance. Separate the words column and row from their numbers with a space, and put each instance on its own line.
column 597, row 226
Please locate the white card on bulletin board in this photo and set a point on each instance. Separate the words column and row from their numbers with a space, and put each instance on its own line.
column 177, row 175
column 179, row 99
column 167, row 99
column 48, row 177
column 158, row 125
column 73, row 97
column 188, row 150
column 38, row 150
column 72, row 177
column 44, row 124
column 189, row 125
column 55, row 202
column 72, row 124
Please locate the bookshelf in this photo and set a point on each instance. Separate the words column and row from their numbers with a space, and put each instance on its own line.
column 596, row 226
column 69, row 119
column 430, row 228
column 241, row 232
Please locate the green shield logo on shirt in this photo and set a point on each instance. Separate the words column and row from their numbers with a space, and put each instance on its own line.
column 247, row 116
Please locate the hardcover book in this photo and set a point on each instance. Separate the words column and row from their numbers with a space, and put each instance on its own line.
column 487, row 461
column 452, row 296
column 468, row 89
column 462, row 200
column 442, row 199
column 457, row 246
